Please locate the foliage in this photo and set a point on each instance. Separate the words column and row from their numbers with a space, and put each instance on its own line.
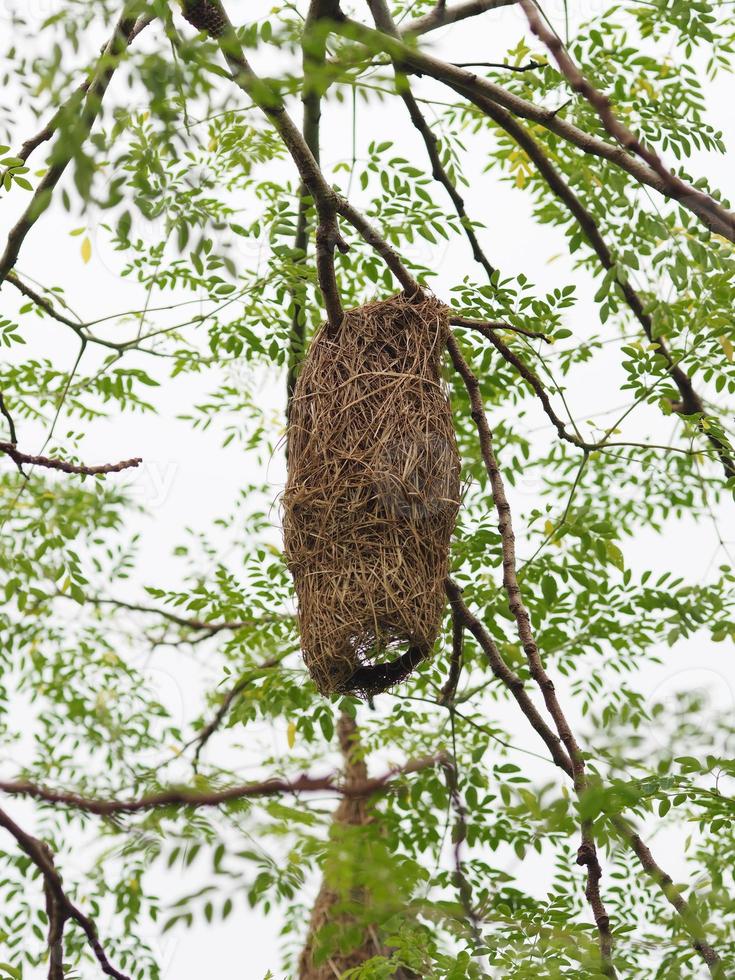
column 188, row 191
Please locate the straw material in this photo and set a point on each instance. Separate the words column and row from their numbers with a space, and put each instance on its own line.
column 372, row 494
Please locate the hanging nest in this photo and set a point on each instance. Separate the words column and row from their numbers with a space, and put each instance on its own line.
column 372, row 494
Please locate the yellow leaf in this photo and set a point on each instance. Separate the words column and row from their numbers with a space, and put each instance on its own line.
column 291, row 734
column 727, row 347
column 86, row 250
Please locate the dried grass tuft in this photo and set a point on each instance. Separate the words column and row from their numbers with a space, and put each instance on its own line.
column 372, row 494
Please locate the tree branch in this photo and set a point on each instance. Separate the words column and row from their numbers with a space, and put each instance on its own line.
column 20, row 458
column 459, row 836
column 62, row 908
column 492, row 325
column 533, row 380
column 223, row 710
column 514, row 684
column 200, row 625
column 718, row 218
column 5, row 412
column 574, row 761
column 62, row 156
column 327, row 202
column 691, row 402
column 313, row 51
column 442, row 15
column 384, row 21
column 587, row 854
column 191, row 798
column 482, row 92
column 449, row 691
column 214, row 20
column 72, row 104
column 675, row 898
column 508, row 677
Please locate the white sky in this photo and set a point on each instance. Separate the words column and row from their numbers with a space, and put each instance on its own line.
column 188, row 479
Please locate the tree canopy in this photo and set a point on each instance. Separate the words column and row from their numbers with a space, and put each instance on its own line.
column 189, row 191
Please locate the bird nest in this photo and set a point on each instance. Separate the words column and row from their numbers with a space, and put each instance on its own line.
column 372, row 494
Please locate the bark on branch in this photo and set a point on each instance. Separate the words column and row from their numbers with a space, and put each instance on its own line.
column 587, row 854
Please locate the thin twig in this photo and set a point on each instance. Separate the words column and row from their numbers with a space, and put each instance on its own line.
column 483, row 325
column 459, row 837
column 192, row 623
column 223, row 710
column 534, row 381
column 529, row 66
column 5, row 412
column 72, row 105
column 62, row 465
column 384, row 21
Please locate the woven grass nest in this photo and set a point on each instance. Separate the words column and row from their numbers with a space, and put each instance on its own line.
column 372, row 494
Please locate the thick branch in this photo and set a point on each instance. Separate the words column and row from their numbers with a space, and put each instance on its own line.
column 62, row 907
column 716, row 217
